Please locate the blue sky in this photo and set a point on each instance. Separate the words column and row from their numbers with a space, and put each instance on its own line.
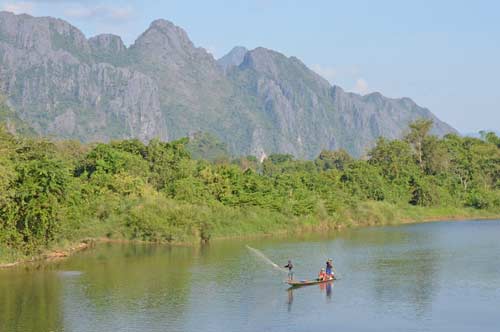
column 443, row 54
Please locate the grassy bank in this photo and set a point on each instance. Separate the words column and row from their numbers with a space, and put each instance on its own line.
column 236, row 223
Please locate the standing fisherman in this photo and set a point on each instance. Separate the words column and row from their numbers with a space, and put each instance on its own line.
column 329, row 267
column 289, row 266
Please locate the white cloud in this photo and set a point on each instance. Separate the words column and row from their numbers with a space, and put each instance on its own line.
column 361, row 86
column 78, row 12
column 19, row 7
column 329, row 73
column 78, row 9
column 99, row 12
column 121, row 13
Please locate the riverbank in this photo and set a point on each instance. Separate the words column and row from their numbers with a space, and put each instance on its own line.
column 50, row 254
column 365, row 215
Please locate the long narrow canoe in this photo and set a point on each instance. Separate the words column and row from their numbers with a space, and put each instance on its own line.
column 298, row 283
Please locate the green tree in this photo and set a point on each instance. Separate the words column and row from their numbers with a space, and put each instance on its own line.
column 435, row 156
column 280, row 158
column 419, row 130
column 36, row 194
column 364, row 181
column 168, row 162
column 490, row 137
column 338, row 159
column 463, row 166
column 394, row 159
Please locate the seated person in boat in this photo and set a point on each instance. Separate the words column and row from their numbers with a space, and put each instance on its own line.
column 322, row 275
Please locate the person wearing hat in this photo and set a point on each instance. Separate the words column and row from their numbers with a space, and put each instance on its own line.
column 329, row 267
column 322, row 274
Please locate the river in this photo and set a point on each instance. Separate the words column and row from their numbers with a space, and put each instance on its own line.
column 441, row 276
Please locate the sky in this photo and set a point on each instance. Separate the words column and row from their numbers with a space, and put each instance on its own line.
column 443, row 54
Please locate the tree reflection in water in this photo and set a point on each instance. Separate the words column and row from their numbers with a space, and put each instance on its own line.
column 324, row 288
column 30, row 300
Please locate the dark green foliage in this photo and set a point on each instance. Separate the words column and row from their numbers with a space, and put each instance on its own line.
column 133, row 146
column 435, row 157
column 113, row 159
column 364, row 181
column 208, row 147
column 394, row 159
column 338, row 159
column 36, row 192
column 424, row 192
column 280, row 158
column 168, row 163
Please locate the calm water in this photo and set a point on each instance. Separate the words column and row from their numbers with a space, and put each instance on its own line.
column 427, row 277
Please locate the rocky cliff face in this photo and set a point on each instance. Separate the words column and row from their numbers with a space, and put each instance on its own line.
column 194, row 92
column 258, row 102
column 233, row 59
column 107, row 48
column 373, row 115
column 294, row 101
column 306, row 114
column 53, row 77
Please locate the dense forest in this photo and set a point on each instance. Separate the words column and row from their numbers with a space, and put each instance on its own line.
column 55, row 193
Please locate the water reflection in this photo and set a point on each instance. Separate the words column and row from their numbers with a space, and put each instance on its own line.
column 325, row 292
column 30, row 301
column 398, row 278
column 328, row 289
column 125, row 286
column 290, row 298
column 411, row 279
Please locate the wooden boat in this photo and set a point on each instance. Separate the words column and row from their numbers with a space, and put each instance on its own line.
column 298, row 283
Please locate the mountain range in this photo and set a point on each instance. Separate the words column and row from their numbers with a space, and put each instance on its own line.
column 256, row 101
